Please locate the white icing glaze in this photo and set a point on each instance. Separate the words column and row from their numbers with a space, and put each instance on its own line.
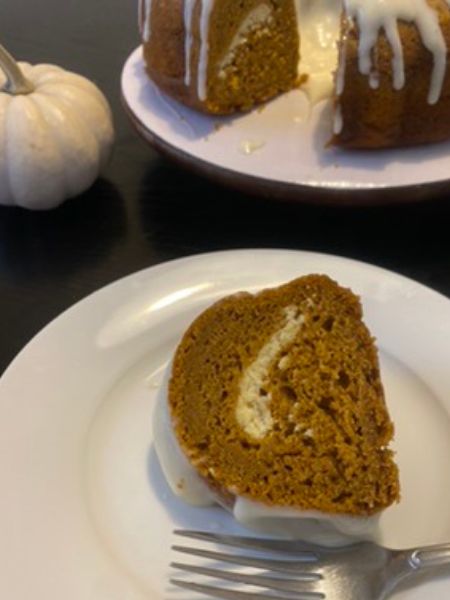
column 319, row 25
column 384, row 15
column 249, row 147
column 182, row 478
column 206, row 10
column 202, row 71
column 312, row 526
column 340, row 74
column 338, row 121
column 185, row 483
column 147, row 20
column 188, row 17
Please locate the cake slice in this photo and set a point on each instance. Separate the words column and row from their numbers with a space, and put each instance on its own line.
column 276, row 399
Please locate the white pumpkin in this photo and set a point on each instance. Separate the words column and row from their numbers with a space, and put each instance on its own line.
column 56, row 134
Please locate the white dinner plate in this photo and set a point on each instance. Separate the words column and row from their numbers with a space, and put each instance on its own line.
column 84, row 511
column 280, row 151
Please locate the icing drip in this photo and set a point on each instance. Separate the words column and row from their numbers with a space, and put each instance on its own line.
column 377, row 15
column 319, row 24
column 207, row 6
column 338, row 123
column 188, row 17
column 340, row 74
column 186, row 483
column 147, row 20
column 319, row 27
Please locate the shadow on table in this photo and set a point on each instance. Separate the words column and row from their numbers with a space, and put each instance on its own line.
column 411, row 239
column 55, row 243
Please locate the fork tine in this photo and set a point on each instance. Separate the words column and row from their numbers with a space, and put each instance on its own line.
column 298, row 567
column 287, row 546
column 271, row 583
column 216, row 592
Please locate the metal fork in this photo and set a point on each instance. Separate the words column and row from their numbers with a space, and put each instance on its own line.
column 362, row 571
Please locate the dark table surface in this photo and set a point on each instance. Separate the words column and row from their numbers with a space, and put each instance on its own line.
column 146, row 210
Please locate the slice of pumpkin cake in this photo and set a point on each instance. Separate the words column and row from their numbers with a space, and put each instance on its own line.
column 275, row 401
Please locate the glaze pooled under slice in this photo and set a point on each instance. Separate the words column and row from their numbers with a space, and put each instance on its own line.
column 277, row 398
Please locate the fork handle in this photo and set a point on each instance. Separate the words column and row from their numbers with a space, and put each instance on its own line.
column 431, row 556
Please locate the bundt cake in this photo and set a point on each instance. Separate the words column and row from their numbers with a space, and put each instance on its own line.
column 384, row 62
column 275, row 403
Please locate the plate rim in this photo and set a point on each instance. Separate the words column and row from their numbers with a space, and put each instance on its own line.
column 307, row 193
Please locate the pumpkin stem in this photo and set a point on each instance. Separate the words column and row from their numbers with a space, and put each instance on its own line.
column 16, row 82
